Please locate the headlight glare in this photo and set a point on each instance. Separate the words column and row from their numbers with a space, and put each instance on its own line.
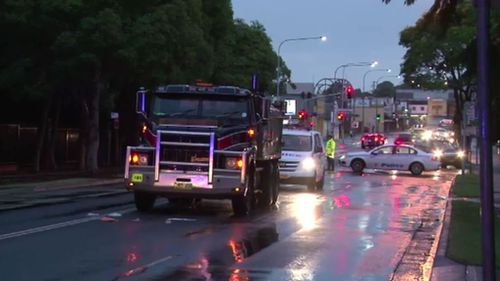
column 308, row 164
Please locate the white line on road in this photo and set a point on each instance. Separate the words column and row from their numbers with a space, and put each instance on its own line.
column 56, row 226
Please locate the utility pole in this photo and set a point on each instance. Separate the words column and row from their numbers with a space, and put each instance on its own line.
column 485, row 166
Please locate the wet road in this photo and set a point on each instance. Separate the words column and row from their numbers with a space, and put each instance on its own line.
column 358, row 228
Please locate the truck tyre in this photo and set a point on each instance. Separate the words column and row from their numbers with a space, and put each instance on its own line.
column 144, row 202
column 276, row 182
column 243, row 204
column 265, row 198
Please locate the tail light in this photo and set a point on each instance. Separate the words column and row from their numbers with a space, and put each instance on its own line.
column 376, row 138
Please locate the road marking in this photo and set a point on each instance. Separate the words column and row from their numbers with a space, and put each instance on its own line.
column 56, row 226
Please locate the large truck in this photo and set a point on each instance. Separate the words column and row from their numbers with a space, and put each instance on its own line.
column 204, row 141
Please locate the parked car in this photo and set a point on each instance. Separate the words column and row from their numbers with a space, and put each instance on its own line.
column 371, row 140
column 303, row 159
column 392, row 157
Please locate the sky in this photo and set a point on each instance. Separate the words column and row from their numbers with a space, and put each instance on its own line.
column 357, row 31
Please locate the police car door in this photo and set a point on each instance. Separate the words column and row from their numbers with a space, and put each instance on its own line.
column 403, row 156
column 380, row 158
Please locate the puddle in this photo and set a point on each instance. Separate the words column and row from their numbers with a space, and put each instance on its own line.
column 222, row 264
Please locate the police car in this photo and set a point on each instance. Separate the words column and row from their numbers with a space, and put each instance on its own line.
column 392, row 157
column 303, row 159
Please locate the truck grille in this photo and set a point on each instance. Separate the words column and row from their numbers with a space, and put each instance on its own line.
column 185, row 151
column 288, row 166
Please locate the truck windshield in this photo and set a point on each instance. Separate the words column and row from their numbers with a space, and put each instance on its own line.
column 297, row 143
column 229, row 109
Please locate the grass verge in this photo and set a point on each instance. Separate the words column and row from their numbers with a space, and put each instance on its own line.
column 464, row 239
column 466, row 186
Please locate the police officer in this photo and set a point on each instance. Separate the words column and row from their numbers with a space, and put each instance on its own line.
column 330, row 153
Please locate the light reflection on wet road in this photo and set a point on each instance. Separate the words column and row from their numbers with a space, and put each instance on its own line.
column 356, row 229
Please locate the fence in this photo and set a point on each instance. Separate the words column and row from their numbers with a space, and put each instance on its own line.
column 18, row 145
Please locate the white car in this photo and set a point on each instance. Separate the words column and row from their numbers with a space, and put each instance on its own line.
column 303, row 159
column 392, row 157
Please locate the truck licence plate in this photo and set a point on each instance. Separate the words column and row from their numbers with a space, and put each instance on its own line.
column 136, row 178
column 183, row 185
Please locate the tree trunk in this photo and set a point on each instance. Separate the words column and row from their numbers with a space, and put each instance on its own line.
column 51, row 155
column 93, row 129
column 84, row 115
column 41, row 133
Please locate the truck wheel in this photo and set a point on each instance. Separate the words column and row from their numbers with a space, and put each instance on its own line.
column 144, row 202
column 321, row 183
column 265, row 198
column 276, row 182
column 243, row 204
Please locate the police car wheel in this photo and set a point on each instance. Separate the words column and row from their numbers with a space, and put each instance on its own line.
column 357, row 165
column 416, row 169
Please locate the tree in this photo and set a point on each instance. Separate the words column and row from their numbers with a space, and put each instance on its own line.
column 440, row 57
column 385, row 89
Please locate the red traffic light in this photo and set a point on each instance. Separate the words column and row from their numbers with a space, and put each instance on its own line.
column 341, row 116
column 349, row 90
column 302, row 114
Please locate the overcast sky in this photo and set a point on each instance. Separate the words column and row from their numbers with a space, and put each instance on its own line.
column 357, row 30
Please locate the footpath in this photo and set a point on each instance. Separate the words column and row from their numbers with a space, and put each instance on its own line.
column 25, row 190
column 445, row 269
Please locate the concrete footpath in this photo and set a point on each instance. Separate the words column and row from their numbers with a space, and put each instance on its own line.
column 445, row 269
column 29, row 192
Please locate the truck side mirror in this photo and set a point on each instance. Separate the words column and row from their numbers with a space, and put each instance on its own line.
column 140, row 101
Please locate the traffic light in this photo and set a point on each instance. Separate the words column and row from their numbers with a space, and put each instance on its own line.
column 377, row 117
column 349, row 90
column 302, row 114
column 341, row 116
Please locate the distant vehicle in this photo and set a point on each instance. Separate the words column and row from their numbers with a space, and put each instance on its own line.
column 392, row 157
column 442, row 134
column 371, row 140
column 450, row 153
column 303, row 159
column 404, row 138
column 418, row 133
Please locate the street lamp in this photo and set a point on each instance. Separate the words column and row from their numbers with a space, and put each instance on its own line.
column 364, row 63
column 374, row 70
column 278, row 69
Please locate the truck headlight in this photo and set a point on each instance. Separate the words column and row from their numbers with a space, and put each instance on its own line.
column 233, row 163
column 308, row 164
column 460, row 154
column 140, row 159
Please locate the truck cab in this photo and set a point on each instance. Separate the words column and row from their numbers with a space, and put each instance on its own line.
column 196, row 142
column 303, row 159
